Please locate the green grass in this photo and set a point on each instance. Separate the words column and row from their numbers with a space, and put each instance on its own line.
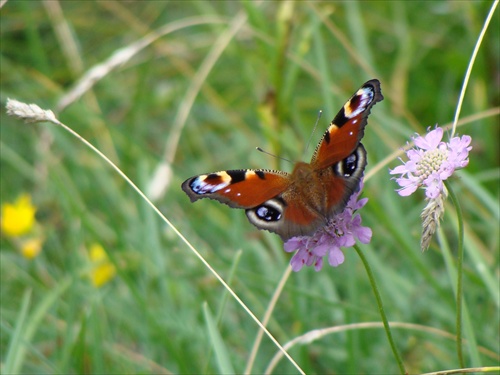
column 231, row 76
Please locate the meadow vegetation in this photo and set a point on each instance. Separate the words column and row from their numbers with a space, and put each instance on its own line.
column 171, row 89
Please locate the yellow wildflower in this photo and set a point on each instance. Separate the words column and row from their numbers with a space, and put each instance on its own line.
column 103, row 270
column 31, row 247
column 18, row 218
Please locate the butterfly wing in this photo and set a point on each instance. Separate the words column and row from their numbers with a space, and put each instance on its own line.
column 339, row 160
column 259, row 192
column 342, row 180
column 269, row 198
column 287, row 218
column 347, row 128
column 242, row 188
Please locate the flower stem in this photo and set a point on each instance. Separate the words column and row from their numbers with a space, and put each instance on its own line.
column 460, row 260
column 381, row 310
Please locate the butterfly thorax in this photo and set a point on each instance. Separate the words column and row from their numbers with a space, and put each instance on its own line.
column 301, row 171
column 307, row 187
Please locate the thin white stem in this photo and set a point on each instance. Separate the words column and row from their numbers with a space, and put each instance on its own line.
column 471, row 64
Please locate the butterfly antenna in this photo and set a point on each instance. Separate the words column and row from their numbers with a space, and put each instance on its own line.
column 268, row 153
column 320, row 112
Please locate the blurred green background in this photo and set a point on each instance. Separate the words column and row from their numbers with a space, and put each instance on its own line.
column 220, row 79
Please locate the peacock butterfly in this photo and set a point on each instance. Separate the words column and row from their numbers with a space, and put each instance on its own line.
column 299, row 203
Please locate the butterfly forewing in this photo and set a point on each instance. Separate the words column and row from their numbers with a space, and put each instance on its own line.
column 347, row 128
column 242, row 188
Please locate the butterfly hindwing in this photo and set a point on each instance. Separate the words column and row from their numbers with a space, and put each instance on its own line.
column 287, row 218
column 342, row 180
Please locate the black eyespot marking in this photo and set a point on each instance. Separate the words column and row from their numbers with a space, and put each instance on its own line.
column 212, row 176
column 353, row 165
column 350, row 164
column 261, row 175
column 267, row 213
column 236, row 175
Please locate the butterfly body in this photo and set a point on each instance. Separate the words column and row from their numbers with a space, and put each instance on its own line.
column 300, row 202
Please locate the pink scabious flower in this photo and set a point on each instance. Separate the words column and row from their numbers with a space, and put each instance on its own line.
column 341, row 231
column 431, row 162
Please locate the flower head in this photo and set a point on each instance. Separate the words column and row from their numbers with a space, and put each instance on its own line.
column 341, row 231
column 429, row 165
column 31, row 247
column 431, row 162
column 18, row 218
column 103, row 270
